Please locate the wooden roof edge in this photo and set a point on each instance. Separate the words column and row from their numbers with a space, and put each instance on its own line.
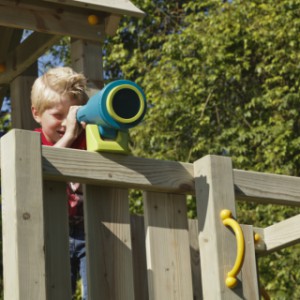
column 122, row 7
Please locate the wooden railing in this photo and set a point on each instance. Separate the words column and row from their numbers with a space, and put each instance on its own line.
column 155, row 256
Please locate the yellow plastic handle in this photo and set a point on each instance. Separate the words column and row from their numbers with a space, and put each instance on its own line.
column 231, row 280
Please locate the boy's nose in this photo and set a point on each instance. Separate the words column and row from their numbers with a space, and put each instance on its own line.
column 64, row 122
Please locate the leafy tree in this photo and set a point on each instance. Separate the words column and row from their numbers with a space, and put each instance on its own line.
column 222, row 78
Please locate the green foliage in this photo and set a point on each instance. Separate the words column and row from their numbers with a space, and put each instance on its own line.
column 57, row 55
column 136, row 202
column 221, row 78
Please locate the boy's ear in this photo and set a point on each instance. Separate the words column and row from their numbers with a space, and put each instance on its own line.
column 35, row 114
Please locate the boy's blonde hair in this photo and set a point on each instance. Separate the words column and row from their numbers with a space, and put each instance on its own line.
column 49, row 88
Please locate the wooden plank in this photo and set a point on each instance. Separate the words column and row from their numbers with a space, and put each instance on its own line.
column 46, row 17
column 57, row 241
column 139, row 257
column 195, row 259
column 267, row 188
column 249, row 269
column 165, row 176
column 21, row 115
column 112, row 6
column 86, row 58
column 25, row 54
column 282, row 234
column 167, row 247
column 109, row 256
column 22, row 215
column 10, row 38
column 214, row 192
column 112, row 169
column 112, row 24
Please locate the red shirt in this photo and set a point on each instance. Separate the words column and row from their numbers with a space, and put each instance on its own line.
column 75, row 197
column 79, row 143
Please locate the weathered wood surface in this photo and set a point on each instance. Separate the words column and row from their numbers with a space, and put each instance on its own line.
column 113, row 169
column 57, row 241
column 267, row 188
column 112, row 6
column 249, row 269
column 156, row 175
column 167, row 247
column 20, row 92
column 22, row 217
column 86, row 58
column 195, row 259
column 137, row 227
column 108, row 236
column 282, row 234
column 165, row 222
column 10, row 38
column 25, row 54
column 51, row 18
column 214, row 192
column 170, row 176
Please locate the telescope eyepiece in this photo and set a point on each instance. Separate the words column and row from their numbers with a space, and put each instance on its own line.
column 126, row 103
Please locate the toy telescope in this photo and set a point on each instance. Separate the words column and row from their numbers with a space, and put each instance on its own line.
column 120, row 105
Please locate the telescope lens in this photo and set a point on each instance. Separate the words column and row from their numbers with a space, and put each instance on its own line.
column 126, row 103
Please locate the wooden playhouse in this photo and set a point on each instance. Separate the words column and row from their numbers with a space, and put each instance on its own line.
column 161, row 255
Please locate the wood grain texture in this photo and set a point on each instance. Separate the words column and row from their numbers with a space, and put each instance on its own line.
column 139, row 257
column 51, row 18
column 25, row 54
column 86, row 58
column 168, row 176
column 195, row 259
column 20, row 90
column 22, row 215
column 57, row 241
column 112, row 6
column 267, row 188
column 217, row 244
column 249, row 268
column 167, row 247
column 113, row 169
column 108, row 236
column 282, row 234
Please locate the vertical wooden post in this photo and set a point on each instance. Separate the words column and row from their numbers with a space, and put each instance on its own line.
column 215, row 192
column 86, row 57
column 57, row 241
column 139, row 257
column 195, row 259
column 249, row 269
column 167, row 247
column 109, row 256
column 20, row 89
column 22, row 215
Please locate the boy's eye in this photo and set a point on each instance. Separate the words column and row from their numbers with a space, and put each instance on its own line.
column 58, row 116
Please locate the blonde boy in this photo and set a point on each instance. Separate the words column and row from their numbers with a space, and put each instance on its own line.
column 55, row 99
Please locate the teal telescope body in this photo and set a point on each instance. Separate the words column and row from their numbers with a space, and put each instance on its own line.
column 119, row 106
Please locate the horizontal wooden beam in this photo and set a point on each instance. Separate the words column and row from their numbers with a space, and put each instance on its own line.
column 267, row 188
column 123, row 7
column 52, row 18
column 25, row 54
column 134, row 172
column 282, row 234
column 115, row 169
column 10, row 38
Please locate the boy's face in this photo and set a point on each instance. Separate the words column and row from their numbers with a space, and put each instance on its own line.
column 53, row 120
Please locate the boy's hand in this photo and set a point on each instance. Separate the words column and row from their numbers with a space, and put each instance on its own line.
column 73, row 128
